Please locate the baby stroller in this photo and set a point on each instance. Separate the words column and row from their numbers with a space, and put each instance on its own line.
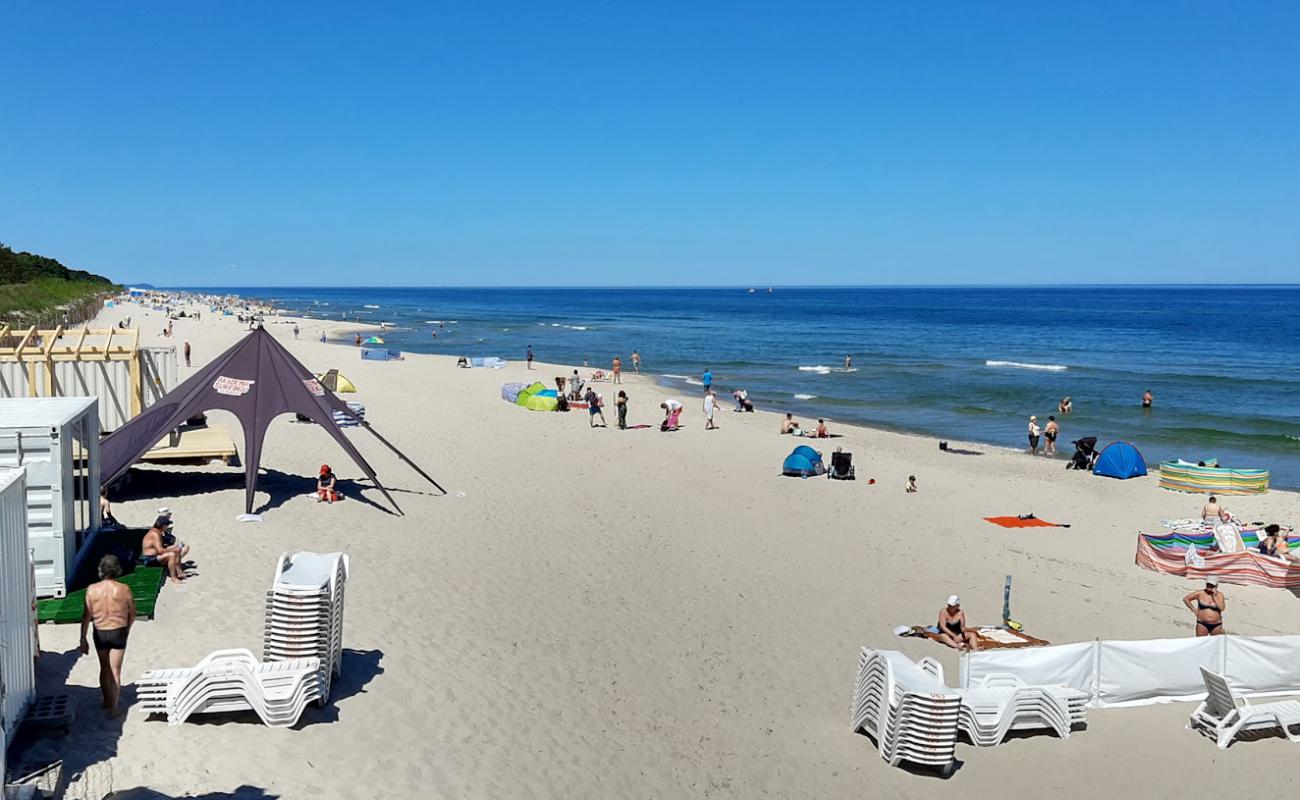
column 841, row 466
column 1085, row 453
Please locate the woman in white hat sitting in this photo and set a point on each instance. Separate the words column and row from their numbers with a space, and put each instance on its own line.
column 952, row 626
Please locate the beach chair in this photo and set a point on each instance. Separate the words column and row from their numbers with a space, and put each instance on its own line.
column 909, row 714
column 841, row 467
column 1223, row 716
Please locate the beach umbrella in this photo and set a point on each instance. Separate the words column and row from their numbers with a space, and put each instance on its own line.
column 374, row 340
column 336, row 382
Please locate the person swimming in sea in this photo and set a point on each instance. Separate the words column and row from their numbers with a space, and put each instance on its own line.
column 1148, row 399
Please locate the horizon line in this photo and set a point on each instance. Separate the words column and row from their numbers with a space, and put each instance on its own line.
column 758, row 288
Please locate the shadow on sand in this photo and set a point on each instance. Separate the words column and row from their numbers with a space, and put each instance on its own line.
column 241, row 793
column 145, row 484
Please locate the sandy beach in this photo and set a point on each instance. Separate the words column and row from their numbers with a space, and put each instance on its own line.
column 594, row 613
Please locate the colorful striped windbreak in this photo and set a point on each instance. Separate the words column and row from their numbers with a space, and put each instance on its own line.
column 1212, row 480
column 1169, row 554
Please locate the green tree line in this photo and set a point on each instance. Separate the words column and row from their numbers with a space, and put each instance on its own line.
column 27, row 267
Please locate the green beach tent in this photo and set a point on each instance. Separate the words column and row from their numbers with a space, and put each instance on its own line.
column 536, row 398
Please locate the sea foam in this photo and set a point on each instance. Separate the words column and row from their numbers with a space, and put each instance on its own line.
column 1019, row 365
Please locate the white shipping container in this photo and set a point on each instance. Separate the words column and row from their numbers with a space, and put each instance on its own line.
column 57, row 439
column 17, row 642
column 110, row 381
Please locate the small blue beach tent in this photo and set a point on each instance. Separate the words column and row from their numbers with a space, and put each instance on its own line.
column 802, row 463
column 1120, row 460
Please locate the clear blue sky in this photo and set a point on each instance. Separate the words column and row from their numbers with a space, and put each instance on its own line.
column 646, row 143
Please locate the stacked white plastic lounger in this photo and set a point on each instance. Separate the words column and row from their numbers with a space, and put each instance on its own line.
column 229, row 681
column 304, row 612
column 896, row 703
column 1002, row 703
column 985, row 713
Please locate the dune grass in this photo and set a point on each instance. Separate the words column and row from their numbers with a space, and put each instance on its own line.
column 20, row 302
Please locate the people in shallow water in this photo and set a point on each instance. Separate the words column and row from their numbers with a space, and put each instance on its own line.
column 1148, row 399
column 1065, row 406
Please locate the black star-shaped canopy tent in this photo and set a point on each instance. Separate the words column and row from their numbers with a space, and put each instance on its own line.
column 257, row 380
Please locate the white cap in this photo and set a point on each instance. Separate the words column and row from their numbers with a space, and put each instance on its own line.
column 954, row 600
column 164, row 512
column 1212, row 580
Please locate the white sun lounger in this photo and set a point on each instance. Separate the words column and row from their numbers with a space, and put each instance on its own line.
column 1223, row 716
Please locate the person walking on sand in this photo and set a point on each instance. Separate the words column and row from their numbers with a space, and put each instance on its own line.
column 620, row 403
column 593, row 408
column 1208, row 605
column 911, row 485
column 1033, row 435
column 295, row 330
column 530, row 356
column 710, row 405
column 618, row 369
column 187, row 353
column 636, row 362
column 1051, row 432
column 358, row 340
column 707, row 379
column 1148, row 399
column 110, row 608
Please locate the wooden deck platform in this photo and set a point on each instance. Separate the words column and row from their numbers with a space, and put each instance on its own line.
column 199, row 445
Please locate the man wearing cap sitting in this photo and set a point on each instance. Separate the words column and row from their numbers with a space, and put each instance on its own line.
column 153, row 552
column 952, row 626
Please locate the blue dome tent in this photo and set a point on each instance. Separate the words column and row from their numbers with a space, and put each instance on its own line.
column 1120, row 460
column 802, row 463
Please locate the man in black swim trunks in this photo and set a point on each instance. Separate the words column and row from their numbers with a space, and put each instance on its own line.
column 111, row 608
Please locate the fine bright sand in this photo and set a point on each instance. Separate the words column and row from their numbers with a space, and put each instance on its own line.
column 606, row 614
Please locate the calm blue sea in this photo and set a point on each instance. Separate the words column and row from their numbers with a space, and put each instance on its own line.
column 964, row 363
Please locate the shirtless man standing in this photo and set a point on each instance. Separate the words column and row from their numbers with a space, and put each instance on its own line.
column 952, row 626
column 111, row 608
column 155, row 553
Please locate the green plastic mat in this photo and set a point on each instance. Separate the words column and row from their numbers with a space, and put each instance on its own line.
column 145, row 584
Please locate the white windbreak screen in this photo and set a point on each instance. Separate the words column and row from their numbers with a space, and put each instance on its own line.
column 1156, row 670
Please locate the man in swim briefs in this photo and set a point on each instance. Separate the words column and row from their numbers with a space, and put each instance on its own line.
column 110, row 607
column 952, row 626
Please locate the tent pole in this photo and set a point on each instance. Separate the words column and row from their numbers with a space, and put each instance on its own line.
column 399, row 453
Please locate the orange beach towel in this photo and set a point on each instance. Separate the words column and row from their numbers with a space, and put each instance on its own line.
column 1017, row 522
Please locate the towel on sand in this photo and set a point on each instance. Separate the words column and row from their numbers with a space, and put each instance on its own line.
column 1017, row 522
